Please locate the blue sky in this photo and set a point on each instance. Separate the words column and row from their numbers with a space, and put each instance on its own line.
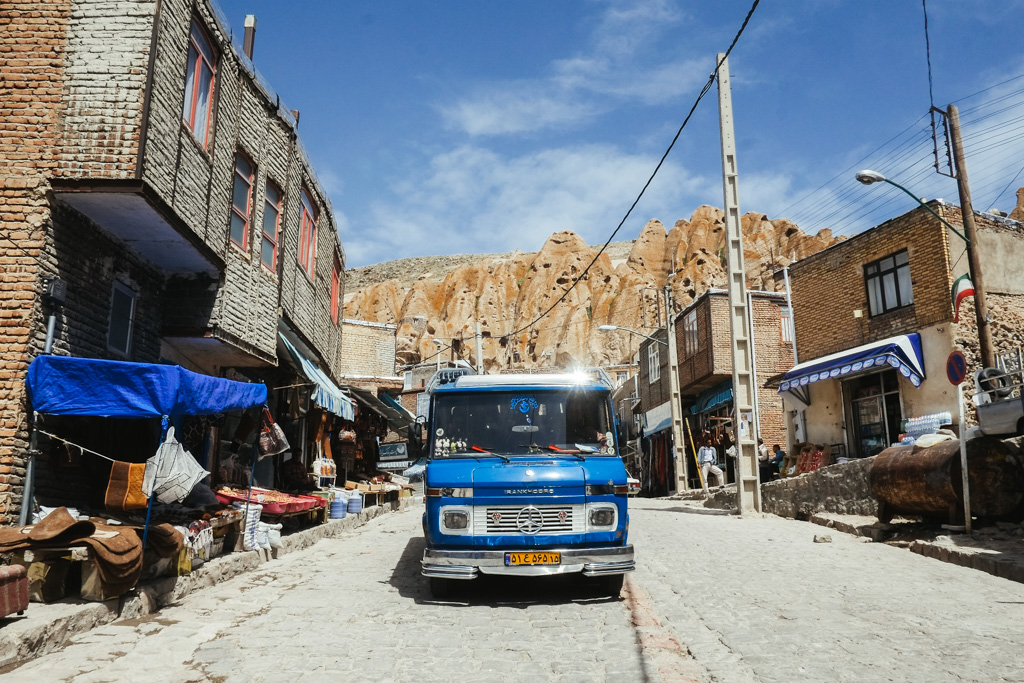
column 476, row 127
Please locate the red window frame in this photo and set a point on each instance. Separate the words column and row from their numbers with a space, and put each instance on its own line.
column 242, row 180
column 202, row 59
column 307, row 233
column 271, row 211
column 336, row 290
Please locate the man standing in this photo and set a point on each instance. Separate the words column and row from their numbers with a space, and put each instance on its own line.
column 707, row 456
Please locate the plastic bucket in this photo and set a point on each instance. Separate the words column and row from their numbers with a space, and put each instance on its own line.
column 355, row 503
column 338, row 510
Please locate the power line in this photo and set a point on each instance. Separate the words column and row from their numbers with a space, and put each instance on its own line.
column 704, row 91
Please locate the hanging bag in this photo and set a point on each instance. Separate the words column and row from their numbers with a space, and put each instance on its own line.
column 272, row 439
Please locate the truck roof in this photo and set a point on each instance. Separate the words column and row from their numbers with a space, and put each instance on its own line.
column 548, row 381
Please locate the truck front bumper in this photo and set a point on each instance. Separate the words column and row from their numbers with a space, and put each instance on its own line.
column 468, row 564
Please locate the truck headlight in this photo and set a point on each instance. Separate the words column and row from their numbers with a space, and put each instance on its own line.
column 601, row 517
column 455, row 519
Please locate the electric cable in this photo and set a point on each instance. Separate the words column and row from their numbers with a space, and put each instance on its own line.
column 704, row 91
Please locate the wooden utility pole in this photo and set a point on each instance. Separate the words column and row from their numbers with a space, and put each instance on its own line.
column 744, row 384
column 988, row 354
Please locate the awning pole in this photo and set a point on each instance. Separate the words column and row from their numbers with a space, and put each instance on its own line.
column 152, row 494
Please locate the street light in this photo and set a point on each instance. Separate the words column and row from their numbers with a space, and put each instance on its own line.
column 613, row 328
column 439, row 344
column 868, row 177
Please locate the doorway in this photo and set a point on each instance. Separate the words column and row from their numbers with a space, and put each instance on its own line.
column 874, row 401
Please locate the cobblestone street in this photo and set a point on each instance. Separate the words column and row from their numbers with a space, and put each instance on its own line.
column 715, row 598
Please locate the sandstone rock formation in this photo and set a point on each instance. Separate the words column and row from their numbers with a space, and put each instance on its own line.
column 506, row 293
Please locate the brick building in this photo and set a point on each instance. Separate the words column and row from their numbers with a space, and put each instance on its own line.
column 148, row 168
column 874, row 326
column 703, row 344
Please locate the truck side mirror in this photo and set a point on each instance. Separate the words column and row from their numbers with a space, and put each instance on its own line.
column 415, row 438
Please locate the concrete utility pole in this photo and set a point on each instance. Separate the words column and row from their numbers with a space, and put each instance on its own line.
column 748, row 490
column 678, row 445
column 988, row 354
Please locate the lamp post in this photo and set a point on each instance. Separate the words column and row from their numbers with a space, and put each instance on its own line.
column 970, row 239
column 674, row 406
column 980, row 310
column 439, row 344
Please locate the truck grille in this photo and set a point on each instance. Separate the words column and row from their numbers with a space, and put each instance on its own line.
column 521, row 520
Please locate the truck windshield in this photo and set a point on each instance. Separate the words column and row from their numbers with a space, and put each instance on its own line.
column 569, row 423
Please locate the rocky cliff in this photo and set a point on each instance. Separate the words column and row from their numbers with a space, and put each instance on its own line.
column 444, row 297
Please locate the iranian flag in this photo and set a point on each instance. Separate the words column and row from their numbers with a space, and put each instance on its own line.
column 962, row 288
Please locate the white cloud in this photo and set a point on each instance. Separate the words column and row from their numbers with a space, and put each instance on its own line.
column 514, row 108
column 620, row 63
column 474, row 201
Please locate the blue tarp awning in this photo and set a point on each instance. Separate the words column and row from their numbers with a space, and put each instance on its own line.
column 902, row 353
column 715, row 397
column 61, row 385
column 326, row 393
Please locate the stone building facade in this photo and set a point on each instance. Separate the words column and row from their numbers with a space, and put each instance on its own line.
column 878, row 293
column 146, row 166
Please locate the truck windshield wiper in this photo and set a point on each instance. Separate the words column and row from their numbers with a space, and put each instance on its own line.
column 567, row 451
column 476, row 448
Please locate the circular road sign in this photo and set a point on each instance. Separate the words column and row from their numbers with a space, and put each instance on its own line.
column 956, row 367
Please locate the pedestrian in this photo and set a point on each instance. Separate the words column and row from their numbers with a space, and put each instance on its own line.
column 707, row 456
column 764, row 461
column 778, row 458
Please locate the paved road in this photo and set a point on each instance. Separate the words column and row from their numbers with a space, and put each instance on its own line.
column 715, row 598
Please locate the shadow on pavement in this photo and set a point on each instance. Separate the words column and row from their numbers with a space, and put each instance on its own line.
column 503, row 591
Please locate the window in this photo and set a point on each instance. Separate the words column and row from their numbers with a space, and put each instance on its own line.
column 122, row 319
column 307, row 233
column 241, row 202
column 786, row 324
column 271, row 225
column 202, row 65
column 335, row 289
column 888, row 283
column 690, row 334
column 653, row 362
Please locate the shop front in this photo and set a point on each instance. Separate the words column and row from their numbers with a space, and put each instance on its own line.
column 658, row 458
column 112, row 490
column 858, row 402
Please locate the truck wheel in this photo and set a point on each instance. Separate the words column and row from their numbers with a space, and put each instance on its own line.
column 440, row 588
column 612, row 584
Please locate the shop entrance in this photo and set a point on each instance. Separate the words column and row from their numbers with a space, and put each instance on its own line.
column 876, row 411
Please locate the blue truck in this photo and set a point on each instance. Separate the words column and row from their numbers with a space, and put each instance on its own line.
column 524, row 478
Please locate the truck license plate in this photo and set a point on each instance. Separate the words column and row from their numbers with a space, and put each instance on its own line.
column 514, row 559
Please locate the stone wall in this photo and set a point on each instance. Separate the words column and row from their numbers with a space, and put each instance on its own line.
column 843, row 489
column 104, row 90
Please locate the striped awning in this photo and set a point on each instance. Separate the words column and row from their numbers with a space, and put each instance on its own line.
column 326, row 393
column 902, row 353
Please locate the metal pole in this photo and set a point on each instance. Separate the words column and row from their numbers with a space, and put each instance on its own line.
column 678, row 444
column 963, row 460
column 801, row 415
column 479, row 350
column 748, row 492
column 988, row 356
